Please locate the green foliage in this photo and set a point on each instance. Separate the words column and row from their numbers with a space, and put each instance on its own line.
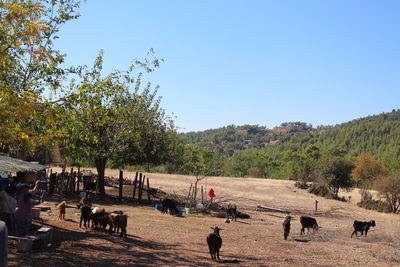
column 29, row 64
column 336, row 172
column 294, row 150
column 113, row 118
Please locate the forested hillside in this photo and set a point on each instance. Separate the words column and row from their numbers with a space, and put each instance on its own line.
column 230, row 138
column 283, row 152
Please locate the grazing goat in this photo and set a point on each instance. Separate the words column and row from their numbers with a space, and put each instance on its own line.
column 169, row 206
column 362, row 227
column 308, row 222
column 61, row 210
column 85, row 216
column 214, row 242
column 231, row 212
column 286, row 226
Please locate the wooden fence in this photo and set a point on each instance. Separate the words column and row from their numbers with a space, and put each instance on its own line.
column 72, row 182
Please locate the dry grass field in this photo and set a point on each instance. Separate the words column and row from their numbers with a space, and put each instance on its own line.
column 156, row 239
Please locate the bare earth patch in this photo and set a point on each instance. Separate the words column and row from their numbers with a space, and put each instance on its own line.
column 156, row 239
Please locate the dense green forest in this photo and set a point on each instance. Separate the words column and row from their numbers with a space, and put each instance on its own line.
column 285, row 151
column 228, row 139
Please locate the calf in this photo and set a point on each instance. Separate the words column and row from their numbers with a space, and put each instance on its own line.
column 117, row 221
column 308, row 222
column 362, row 227
column 169, row 206
column 85, row 216
column 231, row 212
column 286, row 226
column 214, row 242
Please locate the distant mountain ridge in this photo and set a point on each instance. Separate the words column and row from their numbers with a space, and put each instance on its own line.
column 230, row 138
column 377, row 135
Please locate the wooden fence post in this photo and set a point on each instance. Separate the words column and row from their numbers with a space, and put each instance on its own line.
column 120, row 185
column 141, row 186
column 316, row 205
column 62, row 184
column 78, row 179
column 134, row 185
column 190, row 189
column 71, row 181
column 202, row 195
column 148, row 189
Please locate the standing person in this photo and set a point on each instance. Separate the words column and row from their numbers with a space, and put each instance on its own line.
column 86, row 200
column 23, row 211
column 7, row 209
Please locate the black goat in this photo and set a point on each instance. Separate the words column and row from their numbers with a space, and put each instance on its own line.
column 308, row 222
column 214, row 242
column 231, row 212
column 169, row 206
column 286, row 226
column 98, row 219
column 86, row 212
column 362, row 227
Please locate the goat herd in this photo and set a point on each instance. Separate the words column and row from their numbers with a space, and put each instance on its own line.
column 214, row 239
column 117, row 222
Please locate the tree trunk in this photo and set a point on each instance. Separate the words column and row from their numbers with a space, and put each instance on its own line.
column 100, row 166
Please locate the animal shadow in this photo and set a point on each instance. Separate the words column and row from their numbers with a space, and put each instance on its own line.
column 301, row 240
column 231, row 261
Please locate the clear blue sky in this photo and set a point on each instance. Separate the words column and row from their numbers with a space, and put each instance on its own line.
column 251, row 62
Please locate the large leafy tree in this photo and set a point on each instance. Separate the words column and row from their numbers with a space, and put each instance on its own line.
column 107, row 117
column 29, row 64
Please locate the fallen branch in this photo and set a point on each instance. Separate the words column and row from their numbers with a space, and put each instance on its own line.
column 272, row 209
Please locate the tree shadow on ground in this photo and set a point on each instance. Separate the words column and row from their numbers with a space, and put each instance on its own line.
column 80, row 249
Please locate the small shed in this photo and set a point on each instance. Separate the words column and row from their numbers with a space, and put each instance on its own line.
column 24, row 169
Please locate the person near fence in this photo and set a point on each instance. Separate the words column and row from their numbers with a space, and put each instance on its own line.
column 23, row 210
column 7, row 209
column 86, row 200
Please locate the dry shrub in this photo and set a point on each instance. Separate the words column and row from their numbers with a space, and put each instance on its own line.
column 369, row 203
column 389, row 188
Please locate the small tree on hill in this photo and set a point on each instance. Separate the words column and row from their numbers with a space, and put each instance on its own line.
column 367, row 169
column 389, row 188
column 336, row 172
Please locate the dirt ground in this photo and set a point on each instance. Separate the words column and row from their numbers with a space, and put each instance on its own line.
column 156, row 239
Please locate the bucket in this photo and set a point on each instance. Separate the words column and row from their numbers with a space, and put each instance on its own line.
column 24, row 244
column 158, row 207
column 180, row 212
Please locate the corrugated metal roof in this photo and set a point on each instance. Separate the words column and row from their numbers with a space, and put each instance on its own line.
column 8, row 164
